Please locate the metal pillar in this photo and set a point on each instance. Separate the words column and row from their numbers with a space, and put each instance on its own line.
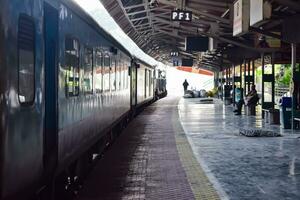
column 241, row 82
column 245, row 76
column 262, row 84
column 268, row 78
column 233, row 84
column 294, row 92
column 250, row 77
column 273, row 78
column 253, row 71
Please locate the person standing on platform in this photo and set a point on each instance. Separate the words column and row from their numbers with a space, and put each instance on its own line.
column 239, row 100
column 251, row 99
column 185, row 85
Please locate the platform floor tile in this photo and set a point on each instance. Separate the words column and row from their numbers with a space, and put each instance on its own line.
column 151, row 159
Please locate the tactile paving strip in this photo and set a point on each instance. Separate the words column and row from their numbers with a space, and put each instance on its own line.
column 146, row 162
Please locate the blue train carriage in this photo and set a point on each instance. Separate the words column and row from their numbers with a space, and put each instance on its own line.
column 65, row 80
column 22, row 99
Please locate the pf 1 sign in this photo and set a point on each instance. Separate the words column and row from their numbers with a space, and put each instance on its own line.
column 181, row 15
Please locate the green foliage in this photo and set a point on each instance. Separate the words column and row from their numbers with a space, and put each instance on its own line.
column 210, row 94
column 287, row 76
column 258, row 72
column 213, row 92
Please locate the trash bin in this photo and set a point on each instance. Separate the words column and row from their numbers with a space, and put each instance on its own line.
column 274, row 116
column 285, row 104
column 226, row 94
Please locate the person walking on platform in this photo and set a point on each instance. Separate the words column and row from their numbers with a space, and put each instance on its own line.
column 185, row 85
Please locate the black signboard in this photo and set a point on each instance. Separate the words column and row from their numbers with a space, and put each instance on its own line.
column 197, row 43
column 181, row 15
column 187, row 62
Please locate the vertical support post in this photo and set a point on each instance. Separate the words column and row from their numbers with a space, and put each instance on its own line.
column 263, row 85
column 226, row 77
column 241, row 83
column 249, row 75
column 222, row 82
column 273, row 78
column 245, row 75
column 229, row 76
column 233, row 83
column 253, row 71
column 294, row 62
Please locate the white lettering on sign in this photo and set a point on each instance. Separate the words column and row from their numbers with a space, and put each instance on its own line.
column 174, row 15
column 187, row 17
column 181, row 15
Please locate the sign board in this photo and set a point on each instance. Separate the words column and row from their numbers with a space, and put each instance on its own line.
column 197, row 43
column 187, row 62
column 181, row 15
column 291, row 29
column 259, row 11
column 241, row 17
column 174, row 53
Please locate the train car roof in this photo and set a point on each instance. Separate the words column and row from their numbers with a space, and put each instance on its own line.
column 86, row 17
column 143, row 62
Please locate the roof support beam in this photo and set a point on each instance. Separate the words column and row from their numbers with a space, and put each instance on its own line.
column 171, row 34
column 135, row 6
column 293, row 5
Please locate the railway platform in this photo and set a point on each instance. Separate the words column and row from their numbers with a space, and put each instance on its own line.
column 181, row 149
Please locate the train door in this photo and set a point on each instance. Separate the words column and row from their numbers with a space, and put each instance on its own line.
column 133, row 82
column 51, row 60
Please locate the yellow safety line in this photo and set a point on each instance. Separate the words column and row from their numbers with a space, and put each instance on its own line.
column 200, row 184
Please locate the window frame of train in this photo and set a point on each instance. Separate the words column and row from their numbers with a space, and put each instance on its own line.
column 99, row 59
column 112, row 73
column 88, row 51
column 106, row 68
column 26, row 46
column 72, row 79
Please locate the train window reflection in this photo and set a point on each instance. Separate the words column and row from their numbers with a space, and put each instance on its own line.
column 72, row 66
column 113, row 74
column 98, row 72
column 26, row 67
column 88, row 71
column 106, row 70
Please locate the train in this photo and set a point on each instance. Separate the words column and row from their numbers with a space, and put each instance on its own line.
column 67, row 89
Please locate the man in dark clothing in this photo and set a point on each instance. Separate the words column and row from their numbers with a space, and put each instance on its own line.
column 185, row 85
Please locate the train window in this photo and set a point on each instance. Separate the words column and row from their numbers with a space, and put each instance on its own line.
column 88, row 71
column 113, row 75
column 123, row 76
column 106, row 69
column 72, row 66
column 98, row 70
column 26, row 66
column 118, row 75
column 126, row 75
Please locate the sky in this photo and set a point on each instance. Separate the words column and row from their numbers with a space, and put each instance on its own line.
column 103, row 18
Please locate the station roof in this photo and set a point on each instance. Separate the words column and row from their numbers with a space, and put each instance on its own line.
column 149, row 24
